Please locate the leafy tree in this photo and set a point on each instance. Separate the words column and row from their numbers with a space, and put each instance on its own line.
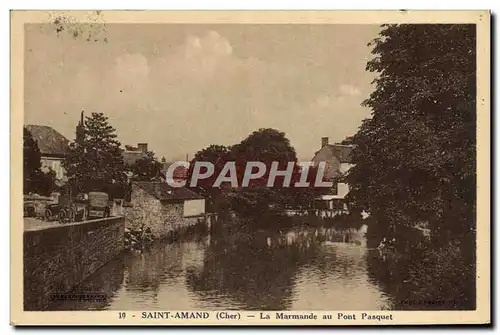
column 258, row 200
column 35, row 180
column 46, row 182
column 217, row 155
column 304, row 197
column 31, row 161
column 146, row 168
column 266, row 146
column 348, row 140
column 415, row 157
column 96, row 163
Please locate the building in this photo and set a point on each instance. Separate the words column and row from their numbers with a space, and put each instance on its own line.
column 53, row 147
column 338, row 161
column 163, row 209
column 132, row 154
column 337, row 158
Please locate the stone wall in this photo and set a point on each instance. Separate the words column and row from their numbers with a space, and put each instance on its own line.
column 163, row 218
column 56, row 259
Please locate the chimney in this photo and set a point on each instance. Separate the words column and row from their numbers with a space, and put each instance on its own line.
column 143, row 147
column 324, row 141
column 81, row 118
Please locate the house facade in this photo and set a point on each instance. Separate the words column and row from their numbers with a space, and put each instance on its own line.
column 337, row 158
column 53, row 148
column 163, row 209
column 132, row 154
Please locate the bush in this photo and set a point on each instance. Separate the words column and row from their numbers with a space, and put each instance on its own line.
column 427, row 279
column 443, row 275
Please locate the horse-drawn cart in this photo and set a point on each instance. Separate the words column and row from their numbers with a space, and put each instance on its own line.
column 80, row 209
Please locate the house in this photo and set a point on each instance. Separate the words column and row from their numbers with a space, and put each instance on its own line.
column 337, row 158
column 132, row 154
column 53, row 147
column 338, row 161
column 163, row 209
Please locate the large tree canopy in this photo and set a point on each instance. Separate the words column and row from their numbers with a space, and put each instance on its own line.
column 265, row 145
column 97, row 162
column 218, row 155
column 35, row 180
column 146, row 168
column 416, row 157
column 31, row 161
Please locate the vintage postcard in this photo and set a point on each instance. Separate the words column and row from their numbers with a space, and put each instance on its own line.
column 250, row 168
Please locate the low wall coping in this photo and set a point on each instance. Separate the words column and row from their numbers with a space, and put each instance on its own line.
column 73, row 224
column 194, row 216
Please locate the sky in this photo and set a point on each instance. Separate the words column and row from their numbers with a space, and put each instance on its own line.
column 183, row 87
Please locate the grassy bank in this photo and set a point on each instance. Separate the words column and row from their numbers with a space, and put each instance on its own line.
column 424, row 278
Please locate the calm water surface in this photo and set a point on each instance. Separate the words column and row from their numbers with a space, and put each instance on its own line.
column 308, row 269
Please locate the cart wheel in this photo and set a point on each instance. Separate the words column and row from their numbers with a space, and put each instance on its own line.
column 70, row 215
column 78, row 217
column 63, row 216
column 47, row 215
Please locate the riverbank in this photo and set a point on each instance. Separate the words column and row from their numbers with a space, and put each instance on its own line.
column 232, row 223
column 426, row 278
column 307, row 268
column 137, row 239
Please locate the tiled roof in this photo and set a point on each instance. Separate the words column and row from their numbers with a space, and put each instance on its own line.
column 49, row 141
column 163, row 191
column 342, row 152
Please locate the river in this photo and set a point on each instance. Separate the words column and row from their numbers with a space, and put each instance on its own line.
column 302, row 269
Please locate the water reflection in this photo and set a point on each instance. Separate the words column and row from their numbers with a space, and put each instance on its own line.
column 254, row 272
column 303, row 269
column 95, row 293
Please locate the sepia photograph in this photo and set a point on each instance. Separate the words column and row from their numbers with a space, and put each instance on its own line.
column 254, row 166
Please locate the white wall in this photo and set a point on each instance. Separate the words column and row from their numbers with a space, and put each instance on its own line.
column 342, row 189
column 194, row 207
column 55, row 164
column 344, row 167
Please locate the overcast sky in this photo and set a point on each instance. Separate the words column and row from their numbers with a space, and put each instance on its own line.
column 181, row 88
